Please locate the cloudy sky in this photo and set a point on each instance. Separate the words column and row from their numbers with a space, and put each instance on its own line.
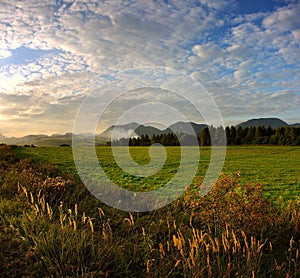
column 54, row 53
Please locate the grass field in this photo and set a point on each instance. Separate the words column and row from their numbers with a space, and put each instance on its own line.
column 51, row 226
column 276, row 167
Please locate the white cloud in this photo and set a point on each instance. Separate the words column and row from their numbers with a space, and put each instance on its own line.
column 296, row 34
column 284, row 19
column 290, row 54
column 234, row 56
column 207, row 51
column 4, row 53
column 217, row 4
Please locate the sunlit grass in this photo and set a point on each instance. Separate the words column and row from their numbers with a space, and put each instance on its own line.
column 277, row 167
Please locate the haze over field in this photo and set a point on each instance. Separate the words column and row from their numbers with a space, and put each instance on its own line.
column 53, row 53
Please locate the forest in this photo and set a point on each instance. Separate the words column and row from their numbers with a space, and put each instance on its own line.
column 289, row 136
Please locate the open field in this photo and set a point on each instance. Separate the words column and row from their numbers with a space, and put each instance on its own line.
column 51, row 226
column 276, row 167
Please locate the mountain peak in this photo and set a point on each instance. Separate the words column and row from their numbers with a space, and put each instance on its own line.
column 272, row 122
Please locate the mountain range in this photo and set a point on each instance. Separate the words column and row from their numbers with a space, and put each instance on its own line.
column 130, row 130
column 134, row 129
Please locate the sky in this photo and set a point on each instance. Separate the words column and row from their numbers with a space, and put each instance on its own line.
column 54, row 54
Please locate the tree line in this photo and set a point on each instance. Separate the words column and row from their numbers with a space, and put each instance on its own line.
column 216, row 135
column 263, row 136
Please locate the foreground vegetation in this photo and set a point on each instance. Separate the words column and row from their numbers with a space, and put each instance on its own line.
column 50, row 226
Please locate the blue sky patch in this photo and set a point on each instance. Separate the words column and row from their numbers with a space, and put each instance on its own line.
column 24, row 55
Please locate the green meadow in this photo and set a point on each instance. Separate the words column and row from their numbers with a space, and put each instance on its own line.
column 275, row 167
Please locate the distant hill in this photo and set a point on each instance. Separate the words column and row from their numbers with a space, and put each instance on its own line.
column 2, row 137
column 38, row 140
column 129, row 130
column 120, row 131
column 150, row 130
column 273, row 122
column 185, row 127
column 134, row 129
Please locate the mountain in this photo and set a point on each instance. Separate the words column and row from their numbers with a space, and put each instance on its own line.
column 2, row 137
column 273, row 122
column 134, row 129
column 130, row 130
column 120, row 131
column 38, row 139
column 150, row 130
column 185, row 127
